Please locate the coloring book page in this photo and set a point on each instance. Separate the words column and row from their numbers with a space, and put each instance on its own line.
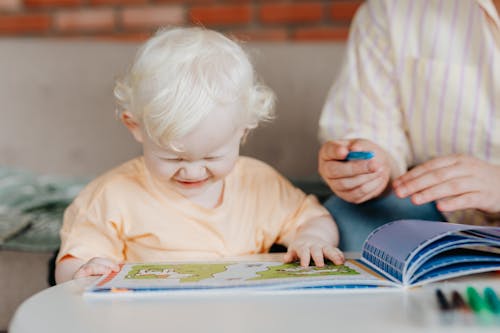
column 233, row 274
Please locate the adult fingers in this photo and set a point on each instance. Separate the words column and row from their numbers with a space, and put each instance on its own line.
column 430, row 178
column 334, row 150
column 365, row 191
column 436, row 163
column 342, row 169
column 350, row 183
column 449, row 188
column 463, row 201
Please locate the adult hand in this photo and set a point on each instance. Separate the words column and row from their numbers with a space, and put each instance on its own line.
column 455, row 182
column 354, row 181
column 97, row 266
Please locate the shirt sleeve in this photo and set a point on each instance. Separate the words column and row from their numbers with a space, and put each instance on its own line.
column 364, row 101
column 89, row 232
column 290, row 209
column 308, row 208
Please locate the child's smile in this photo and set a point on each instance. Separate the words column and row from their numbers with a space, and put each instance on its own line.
column 192, row 183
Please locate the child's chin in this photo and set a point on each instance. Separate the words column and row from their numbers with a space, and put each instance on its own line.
column 191, row 190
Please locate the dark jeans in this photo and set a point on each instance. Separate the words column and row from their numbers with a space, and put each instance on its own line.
column 356, row 221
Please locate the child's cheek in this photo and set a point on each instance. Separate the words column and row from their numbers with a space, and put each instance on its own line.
column 164, row 170
column 223, row 168
column 168, row 171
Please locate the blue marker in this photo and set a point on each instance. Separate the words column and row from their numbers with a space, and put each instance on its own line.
column 359, row 155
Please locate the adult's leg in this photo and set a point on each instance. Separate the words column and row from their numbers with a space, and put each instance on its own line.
column 356, row 221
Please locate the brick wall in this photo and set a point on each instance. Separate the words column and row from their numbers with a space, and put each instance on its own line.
column 263, row 20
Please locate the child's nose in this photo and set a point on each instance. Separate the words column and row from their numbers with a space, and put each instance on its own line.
column 194, row 171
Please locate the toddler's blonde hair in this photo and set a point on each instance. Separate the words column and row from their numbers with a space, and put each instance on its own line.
column 181, row 74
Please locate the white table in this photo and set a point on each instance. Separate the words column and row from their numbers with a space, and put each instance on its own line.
column 62, row 309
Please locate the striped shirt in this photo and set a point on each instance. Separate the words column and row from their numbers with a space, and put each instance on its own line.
column 422, row 79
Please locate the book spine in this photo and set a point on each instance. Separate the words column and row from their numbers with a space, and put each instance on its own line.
column 384, row 261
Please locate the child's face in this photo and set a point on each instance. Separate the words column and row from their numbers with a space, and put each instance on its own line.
column 208, row 154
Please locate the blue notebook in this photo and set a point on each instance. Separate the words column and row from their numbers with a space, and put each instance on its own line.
column 398, row 254
column 414, row 252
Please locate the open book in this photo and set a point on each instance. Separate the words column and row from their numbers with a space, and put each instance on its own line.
column 398, row 254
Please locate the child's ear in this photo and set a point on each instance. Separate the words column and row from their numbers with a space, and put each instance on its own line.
column 133, row 126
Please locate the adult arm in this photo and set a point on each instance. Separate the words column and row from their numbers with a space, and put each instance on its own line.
column 364, row 103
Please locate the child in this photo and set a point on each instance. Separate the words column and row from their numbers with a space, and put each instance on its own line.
column 190, row 98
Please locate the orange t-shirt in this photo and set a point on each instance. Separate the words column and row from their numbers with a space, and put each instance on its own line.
column 124, row 215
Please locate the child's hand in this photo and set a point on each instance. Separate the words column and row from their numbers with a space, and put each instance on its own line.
column 305, row 247
column 97, row 266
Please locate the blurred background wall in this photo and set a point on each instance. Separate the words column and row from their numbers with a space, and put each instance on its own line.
column 134, row 20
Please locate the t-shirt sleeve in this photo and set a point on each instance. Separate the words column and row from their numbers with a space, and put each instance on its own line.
column 89, row 231
column 308, row 208
column 288, row 206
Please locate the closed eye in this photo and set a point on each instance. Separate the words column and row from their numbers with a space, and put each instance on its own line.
column 213, row 158
column 172, row 159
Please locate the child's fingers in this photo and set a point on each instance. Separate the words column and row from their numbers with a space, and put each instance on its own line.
column 113, row 265
column 97, row 266
column 317, row 256
column 82, row 272
column 317, row 253
column 305, row 256
column 90, row 270
column 334, row 254
column 290, row 256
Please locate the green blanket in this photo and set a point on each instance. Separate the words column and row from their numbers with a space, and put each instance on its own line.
column 32, row 207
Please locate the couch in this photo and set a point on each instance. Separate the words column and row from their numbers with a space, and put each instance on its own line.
column 57, row 118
